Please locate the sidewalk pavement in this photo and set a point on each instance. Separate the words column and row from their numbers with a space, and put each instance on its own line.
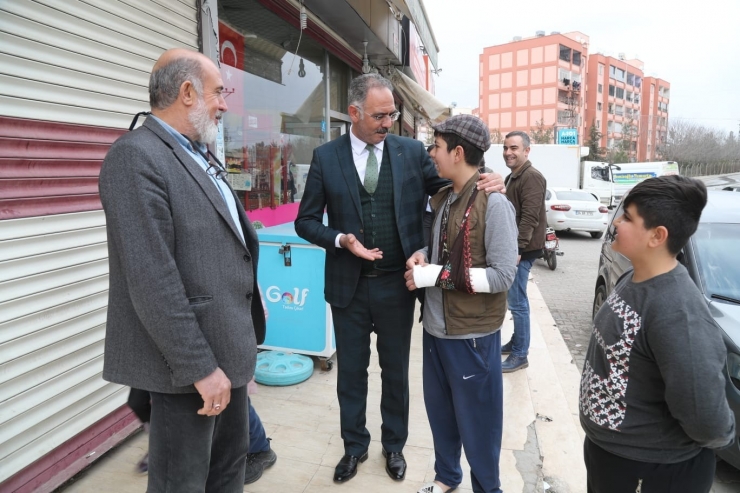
column 542, row 447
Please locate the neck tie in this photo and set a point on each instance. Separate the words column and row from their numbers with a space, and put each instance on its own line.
column 371, row 171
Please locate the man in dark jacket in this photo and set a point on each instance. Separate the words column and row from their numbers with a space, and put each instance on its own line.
column 374, row 186
column 525, row 188
column 185, row 315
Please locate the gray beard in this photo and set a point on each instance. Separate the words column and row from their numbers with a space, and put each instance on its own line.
column 206, row 131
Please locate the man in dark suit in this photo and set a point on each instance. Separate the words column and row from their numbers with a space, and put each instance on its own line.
column 184, row 312
column 374, row 186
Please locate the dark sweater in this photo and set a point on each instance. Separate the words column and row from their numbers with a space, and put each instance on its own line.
column 652, row 388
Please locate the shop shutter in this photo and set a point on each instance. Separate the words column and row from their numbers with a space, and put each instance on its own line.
column 72, row 74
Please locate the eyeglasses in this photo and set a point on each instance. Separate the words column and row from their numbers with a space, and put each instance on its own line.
column 215, row 170
column 379, row 117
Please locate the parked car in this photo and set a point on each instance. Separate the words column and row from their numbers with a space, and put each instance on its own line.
column 711, row 259
column 569, row 209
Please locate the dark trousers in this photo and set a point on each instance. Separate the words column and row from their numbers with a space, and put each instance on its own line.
column 382, row 305
column 190, row 453
column 140, row 403
column 463, row 393
column 609, row 473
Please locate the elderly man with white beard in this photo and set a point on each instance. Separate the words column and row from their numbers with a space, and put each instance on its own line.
column 184, row 314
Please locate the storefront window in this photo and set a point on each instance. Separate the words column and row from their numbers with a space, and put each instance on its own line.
column 276, row 97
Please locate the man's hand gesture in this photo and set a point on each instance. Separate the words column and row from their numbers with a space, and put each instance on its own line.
column 350, row 243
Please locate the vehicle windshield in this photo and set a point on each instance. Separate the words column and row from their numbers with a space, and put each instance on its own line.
column 575, row 195
column 716, row 253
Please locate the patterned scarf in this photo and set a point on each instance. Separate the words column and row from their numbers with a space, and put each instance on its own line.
column 456, row 261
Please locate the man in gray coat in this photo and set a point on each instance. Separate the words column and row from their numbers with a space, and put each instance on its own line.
column 184, row 314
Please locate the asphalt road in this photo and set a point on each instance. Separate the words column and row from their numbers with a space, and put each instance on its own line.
column 569, row 292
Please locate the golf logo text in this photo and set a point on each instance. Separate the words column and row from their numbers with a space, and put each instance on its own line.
column 290, row 301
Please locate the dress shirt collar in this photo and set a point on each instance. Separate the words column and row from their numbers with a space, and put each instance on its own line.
column 358, row 146
column 180, row 138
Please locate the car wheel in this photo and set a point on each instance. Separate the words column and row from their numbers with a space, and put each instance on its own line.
column 599, row 299
column 597, row 234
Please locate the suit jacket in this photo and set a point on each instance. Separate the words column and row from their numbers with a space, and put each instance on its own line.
column 183, row 296
column 332, row 183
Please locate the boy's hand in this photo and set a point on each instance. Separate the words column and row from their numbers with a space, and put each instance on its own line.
column 417, row 258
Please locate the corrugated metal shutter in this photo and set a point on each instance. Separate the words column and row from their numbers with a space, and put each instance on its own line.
column 53, row 296
column 72, row 74
column 86, row 62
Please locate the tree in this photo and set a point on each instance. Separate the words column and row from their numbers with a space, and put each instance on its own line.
column 617, row 154
column 595, row 151
column 496, row 137
column 628, row 145
column 541, row 134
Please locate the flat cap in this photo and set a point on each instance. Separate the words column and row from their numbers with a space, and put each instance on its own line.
column 469, row 127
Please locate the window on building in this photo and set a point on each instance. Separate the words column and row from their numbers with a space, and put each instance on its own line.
column 630, row 78
column 638, row 81
column 610, row 108
column 276, row 116
column 612, row 70
column 565, row 53
column 598, row 106
column 601, row 69
column 598, row 124
column 564, row 75
column 611, row 90
column 619, row 110
column 576, row 57
column 610, row 126
column 563, row 116
column 620, row 93
column 619, row 75
column 617, row 128
column 610, row 143
column 600, row 88
column 629, row 96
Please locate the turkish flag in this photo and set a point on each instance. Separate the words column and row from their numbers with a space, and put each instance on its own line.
column 231, row 46
column 233, row 88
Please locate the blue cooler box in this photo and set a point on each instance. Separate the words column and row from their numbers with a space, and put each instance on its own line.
column 291, row 274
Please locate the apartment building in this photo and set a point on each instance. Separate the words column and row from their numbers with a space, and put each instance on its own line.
column 538, row 79
column 553, row 81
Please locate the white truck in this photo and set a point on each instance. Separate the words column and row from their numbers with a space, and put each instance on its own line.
column 627, row 175
column 562, row 167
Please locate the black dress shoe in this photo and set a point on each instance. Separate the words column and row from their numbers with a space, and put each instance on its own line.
column 395, row 465
column 347, row 467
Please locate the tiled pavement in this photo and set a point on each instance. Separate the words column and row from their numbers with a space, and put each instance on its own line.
column 542, row 437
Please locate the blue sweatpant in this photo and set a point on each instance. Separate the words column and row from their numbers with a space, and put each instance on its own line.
column 463, row 393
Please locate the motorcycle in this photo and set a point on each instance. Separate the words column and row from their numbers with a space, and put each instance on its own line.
column 551, row 252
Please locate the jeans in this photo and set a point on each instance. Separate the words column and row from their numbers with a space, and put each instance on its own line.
column 190, row 453
column 257, row 437
column 519, row 306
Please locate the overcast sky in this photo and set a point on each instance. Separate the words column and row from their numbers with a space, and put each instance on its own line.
column 693, row 45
